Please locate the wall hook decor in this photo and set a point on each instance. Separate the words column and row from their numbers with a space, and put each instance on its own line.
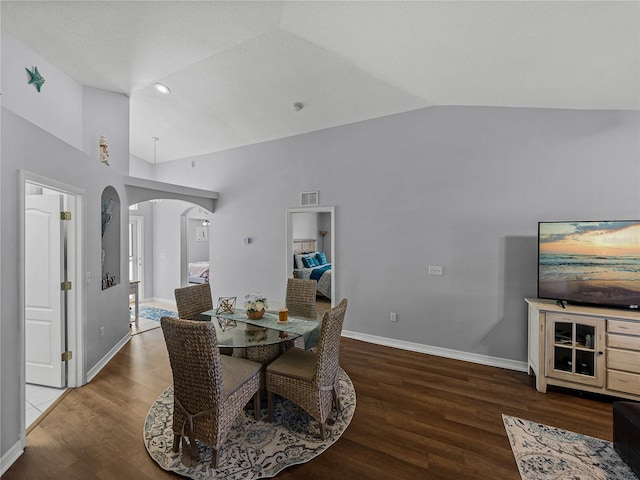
column 35, row 78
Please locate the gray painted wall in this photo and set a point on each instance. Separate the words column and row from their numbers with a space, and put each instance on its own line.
column 324, row 224
column 167, row 231
column 37, row 148
column 197, row 251
column 304, row 226
column 460, row 187
column 27, row 147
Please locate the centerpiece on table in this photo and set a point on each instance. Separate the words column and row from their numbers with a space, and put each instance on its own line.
column 255, row 304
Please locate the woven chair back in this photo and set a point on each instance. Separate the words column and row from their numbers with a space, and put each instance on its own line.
column 328, row 349
column 193, row 300
column 301, row 297
column 195, row 362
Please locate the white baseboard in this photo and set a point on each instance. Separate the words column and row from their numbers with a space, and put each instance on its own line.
column 439, row 351
column 104, row 360
column 170, row 301
column 10, row 457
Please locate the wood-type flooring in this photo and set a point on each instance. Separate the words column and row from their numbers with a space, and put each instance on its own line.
column 417, row 417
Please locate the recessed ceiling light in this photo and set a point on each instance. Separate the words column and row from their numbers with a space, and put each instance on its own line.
column 162, row 88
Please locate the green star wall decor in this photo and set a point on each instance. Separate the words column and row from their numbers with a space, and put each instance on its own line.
column 36, row 78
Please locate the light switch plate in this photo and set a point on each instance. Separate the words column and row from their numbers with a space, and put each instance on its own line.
column 435, row 270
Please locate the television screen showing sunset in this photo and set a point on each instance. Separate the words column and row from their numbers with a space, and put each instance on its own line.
column 590, row 262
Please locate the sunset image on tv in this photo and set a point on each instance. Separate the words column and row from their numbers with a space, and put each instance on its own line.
column 590, row 262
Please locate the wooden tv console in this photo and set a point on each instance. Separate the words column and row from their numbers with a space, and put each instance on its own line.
column 584, row 348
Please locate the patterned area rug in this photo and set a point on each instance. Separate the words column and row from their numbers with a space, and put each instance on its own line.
column 254, row 449
column 155, row 314
column 544, row 452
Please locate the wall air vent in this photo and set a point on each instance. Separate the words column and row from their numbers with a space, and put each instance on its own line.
column 309, row 199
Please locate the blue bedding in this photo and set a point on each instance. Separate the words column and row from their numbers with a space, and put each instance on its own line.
column 316, row 273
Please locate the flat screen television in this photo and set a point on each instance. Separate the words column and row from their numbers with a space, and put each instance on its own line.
column 594, row 263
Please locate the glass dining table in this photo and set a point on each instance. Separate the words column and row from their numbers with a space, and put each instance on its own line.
column 235, row 330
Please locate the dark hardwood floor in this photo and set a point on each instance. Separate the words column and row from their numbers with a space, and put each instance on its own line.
column 417, row 417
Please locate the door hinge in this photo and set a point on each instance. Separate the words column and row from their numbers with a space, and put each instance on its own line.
column 65, row 215
column 66, row 356
column 64, row 286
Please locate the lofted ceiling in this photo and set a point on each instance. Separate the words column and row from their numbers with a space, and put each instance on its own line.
column 236, row 68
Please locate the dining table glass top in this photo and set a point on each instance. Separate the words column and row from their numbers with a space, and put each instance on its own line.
column 237, row 331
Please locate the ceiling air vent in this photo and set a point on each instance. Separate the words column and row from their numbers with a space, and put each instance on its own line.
column 309, row 199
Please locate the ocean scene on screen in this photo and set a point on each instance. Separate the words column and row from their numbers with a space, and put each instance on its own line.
column 590, row 262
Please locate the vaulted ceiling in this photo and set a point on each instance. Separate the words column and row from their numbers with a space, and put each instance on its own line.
column 235, row 69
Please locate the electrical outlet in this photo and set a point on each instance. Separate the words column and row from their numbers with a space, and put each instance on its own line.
column 101, row 332
column 393, row 317
column 435, row 270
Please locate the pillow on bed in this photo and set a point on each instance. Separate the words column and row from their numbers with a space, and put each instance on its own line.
column 309, row 261
column 321, row 258
column 298, row 259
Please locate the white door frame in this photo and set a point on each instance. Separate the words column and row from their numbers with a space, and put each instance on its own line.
column 76, row 304
column 332, row 211
column 138, row 222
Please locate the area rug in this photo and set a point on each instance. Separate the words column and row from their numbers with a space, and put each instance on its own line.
column 544, row 452
column 254, row 449
column 154, row 313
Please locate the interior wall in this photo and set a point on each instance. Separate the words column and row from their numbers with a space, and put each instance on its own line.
column 197, row 250
column 458, row 187
column 324, row 244
column 57, row 108
column 43, row 139
column 106, row 113
column 166, row 259
column 45, row 155
column 305, row 226
column 139, row 167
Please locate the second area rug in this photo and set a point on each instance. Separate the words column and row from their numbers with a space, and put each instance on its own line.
column 544, row 452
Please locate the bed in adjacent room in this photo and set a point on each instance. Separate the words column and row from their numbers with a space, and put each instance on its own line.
column 312, row 264
column 198, row 272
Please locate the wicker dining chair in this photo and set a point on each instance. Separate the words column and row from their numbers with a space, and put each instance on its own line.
column 310, row 379
column 301, row 302
column 301, row 297
column 209, row 389
column 191, row 301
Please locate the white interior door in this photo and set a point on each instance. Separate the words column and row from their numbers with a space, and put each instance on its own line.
column 44, row 312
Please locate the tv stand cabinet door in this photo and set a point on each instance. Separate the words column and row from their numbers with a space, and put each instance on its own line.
column 575, row 349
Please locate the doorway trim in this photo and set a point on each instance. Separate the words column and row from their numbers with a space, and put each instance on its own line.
column 138, row 224
column 289, row 235
column 77, row 306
